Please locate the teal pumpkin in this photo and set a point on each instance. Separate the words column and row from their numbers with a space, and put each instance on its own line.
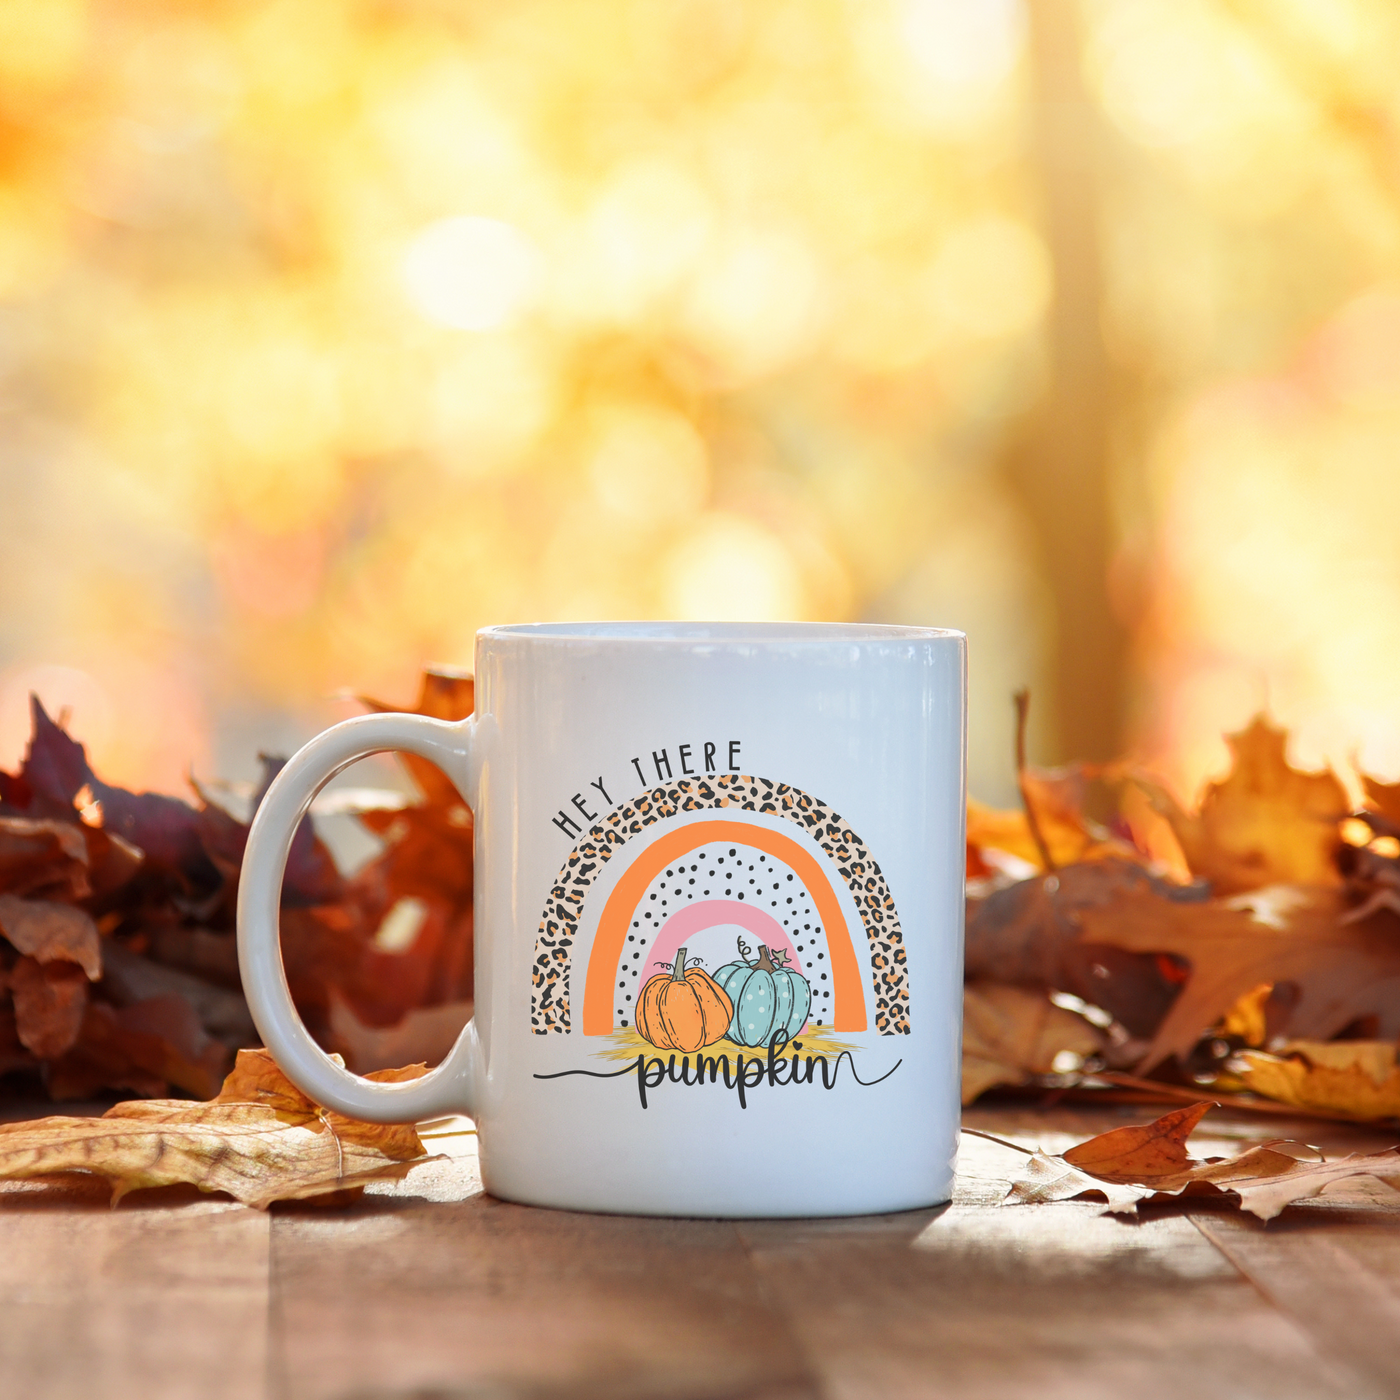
column 768, row 997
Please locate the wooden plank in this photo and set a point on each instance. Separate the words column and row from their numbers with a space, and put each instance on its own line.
column 428, row 1286
column 1334, row 1268
column 1002, row 1302
column 1041, row 1301
column 477, row 1296
column 147, row 1302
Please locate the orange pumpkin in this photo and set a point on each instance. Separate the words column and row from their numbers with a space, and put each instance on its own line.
column 683, row 1009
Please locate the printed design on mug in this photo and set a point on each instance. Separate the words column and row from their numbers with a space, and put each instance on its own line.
column 797, row 928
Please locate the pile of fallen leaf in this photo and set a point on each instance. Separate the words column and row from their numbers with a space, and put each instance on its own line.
column 1247, row 951
column 118, row 961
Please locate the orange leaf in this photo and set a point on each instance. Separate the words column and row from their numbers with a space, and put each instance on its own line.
column 1383, row 797
column 1144, row 1154
column 1359, row 1078
column 1265, row 823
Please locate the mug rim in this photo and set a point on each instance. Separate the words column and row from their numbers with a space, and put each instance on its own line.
column 685, row 634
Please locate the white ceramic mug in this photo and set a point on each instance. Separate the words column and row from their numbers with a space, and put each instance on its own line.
column 719, row 916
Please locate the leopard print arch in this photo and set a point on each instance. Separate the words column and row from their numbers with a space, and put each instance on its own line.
column 558, row 930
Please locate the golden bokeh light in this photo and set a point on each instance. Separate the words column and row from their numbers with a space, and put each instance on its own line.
column 471, row 273
column 332, row 331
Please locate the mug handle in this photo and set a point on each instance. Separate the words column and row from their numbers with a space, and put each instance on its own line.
column 447, row 1089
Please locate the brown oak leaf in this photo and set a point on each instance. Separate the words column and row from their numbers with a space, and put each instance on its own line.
column 1339, row 971
column 1029, row 934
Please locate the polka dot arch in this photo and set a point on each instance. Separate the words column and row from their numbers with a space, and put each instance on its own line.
column 710, row 899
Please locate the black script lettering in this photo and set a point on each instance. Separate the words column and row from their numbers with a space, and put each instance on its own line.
column 645, row 1070
column 864, row 1083
column 743, row 1075
column 597, row 1073
column 748, row 1075
column 706, row 1064
column 775, row 1049
column 734, row 755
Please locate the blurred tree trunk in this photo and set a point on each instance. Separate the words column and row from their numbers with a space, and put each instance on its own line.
column 1062, row 468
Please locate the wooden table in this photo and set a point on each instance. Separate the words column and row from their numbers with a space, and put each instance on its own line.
column 431, row 1290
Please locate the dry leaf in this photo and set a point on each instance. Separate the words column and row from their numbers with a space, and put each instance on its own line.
column 991, row 830
column 1247, row 1021
column 427, row 1034
column 442, row 694
column 168, row 1010
column 41, row 859
column 1265, row 823
column 425, row 871
column 1029, row 934
column 47, row 931
column 1383, row 797
column 1013, row 1033
column 1341, row 971
column 1129, row 1165
column 1057, row 797
column 1356, row 1077
column 261, row 1141
column 1143, row 1154
column 256, row 1078
column 50, row 999
column 1045, row 1179
column 142, row 1047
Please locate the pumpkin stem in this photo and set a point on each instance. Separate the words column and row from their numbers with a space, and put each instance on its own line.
column 764, row 963
column 678, row 972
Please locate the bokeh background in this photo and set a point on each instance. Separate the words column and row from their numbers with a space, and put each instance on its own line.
column 331, row 330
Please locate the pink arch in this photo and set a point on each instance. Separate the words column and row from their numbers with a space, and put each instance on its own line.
column 695, row 918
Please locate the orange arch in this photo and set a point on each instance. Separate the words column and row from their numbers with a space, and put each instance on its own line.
column 847, row 992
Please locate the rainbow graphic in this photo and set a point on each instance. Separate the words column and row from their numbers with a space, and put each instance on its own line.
column 708, row 882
